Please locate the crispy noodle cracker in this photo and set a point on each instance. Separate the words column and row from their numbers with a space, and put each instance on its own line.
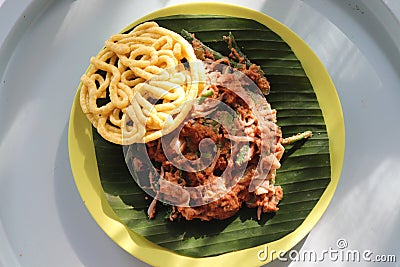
column 137, row 89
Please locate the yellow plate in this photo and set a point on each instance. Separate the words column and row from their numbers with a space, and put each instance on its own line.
column 84, row 164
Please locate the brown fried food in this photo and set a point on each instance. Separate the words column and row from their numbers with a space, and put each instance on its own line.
column 132, row 70
column 265, row 198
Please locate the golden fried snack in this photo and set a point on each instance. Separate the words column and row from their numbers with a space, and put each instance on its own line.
column 136, row 89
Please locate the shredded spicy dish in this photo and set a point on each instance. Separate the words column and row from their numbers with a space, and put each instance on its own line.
column 265, row 198
column 232, row 150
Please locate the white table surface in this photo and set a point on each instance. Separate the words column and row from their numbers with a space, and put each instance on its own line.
column 45, row 46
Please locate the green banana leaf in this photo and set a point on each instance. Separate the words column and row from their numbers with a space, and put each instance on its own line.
column 305, row 171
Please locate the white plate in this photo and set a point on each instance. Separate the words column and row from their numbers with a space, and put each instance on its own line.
column 44, row 48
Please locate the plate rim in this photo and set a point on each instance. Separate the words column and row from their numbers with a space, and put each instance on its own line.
column 81, row 154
